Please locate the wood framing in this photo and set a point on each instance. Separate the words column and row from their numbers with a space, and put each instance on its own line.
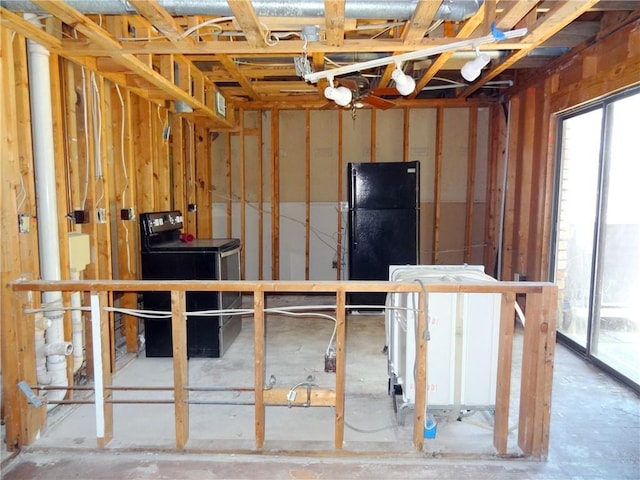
column 537, row 355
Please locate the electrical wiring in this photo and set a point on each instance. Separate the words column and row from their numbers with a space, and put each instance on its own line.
column 210, row 22
column 85, row 118
column 288, row 311
column 375, row 430
column 126, row 176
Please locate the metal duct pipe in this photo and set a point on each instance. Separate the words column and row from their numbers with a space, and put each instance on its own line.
column 455, row 10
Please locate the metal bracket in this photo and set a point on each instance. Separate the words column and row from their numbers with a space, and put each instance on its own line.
column 32, row 398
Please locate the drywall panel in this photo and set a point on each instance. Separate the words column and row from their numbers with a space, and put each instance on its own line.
column 389, row 135
column 455, row 155
column 422, row 143
column 451, row 240
column 322, row 240
column 324, row 156
column 356, row 136
column 292, row 155
column 482, row 155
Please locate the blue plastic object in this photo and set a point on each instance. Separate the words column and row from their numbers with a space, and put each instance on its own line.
column 497, row 34
column 430, row 426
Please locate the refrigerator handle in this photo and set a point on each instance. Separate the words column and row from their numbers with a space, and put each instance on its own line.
column 352, row 213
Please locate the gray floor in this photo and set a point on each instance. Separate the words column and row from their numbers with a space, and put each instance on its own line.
column 595, row 425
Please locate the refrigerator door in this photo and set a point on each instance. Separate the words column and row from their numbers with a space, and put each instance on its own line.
column 380, row 238
column 384, row 185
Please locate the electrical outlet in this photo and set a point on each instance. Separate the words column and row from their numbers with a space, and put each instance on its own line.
column 127, row 214
column 102, row 215
column 192, row 207
column 24, row 223
column 80, row 216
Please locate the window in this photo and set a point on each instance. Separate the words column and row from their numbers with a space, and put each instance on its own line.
column 596, row 260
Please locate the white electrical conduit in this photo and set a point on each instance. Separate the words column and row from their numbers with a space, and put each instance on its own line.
column 47, row 211
column 77, row 326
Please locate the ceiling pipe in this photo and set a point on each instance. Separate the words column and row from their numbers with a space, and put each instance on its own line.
column 455, row 10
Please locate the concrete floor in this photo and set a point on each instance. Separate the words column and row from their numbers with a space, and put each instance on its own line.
column 595, row 425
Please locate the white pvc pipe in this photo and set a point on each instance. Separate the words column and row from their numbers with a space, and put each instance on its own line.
column 98, row 381
column 46, row 203
column 77, row 326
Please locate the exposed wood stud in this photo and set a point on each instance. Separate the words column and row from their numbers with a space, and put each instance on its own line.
column 437, row 186
column 420, row 21
column 243, row 193
column 275, row 194
column 334, row 21
column 260, row 192
column 471, row 177
column 341, row 358
column 180, row 367
column 503, row 387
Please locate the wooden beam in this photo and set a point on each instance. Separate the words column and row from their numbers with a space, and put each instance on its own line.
column 160, row 18
column 246, row 17
column 260, row 193
column 334, row 21
column 82, row 47
column 513, row 12
column 559, row 16
column 307, row 192
column 341, row 360
column 237, row 75
column 472, row 142
column 101, row 37
column 340, row 196
column 317, row 397
column 180, row 367
column 275, row 194
column 421, row 372
column 437, row 188
column 437, row 63
column 420, row 21
column 243, row 193
column 259, row 339
column 503, row 387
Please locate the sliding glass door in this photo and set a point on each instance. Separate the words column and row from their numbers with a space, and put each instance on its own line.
column 597, row 240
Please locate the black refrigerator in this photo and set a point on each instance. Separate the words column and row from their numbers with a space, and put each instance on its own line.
column 383, row 225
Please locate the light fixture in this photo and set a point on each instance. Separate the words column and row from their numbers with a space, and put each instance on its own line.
column 341, row 95
column 405, row 84
column 471, row 70
column 495, row 36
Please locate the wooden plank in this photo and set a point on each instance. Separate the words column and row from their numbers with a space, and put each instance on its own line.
column 422, row 379
column 275, row 286
column 513, row 12
column 243, row 193
column 506, row 271
column 275, row 195
column 203, row 182
column 472, row 143
column 466, row 31
column 317, row 397
column 246, row 17
column 523, row 185
column 437, row 188
column 503, row 387
column 229, row 185
column 161, row 19
column 179, row 165
column 144, row 70
column 307, row 190
column 420, row 21
column 190, row 136
column 102, row 367
column 405, row 134
column 559, row 16
column 547, row 341
column 334, row 22
column 341, row 364
column 493, row 197
column 143, row 157
column 259, row 332
column 236, row 74
column 373, row 136
column 260, row 193
column 544, row 220
column 180, row 367
column 340, row 195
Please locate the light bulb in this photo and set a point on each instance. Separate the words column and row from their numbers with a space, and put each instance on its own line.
column 472, row 69
column 341, row 95
column 404, row 83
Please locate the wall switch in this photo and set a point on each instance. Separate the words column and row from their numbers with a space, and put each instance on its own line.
column 24, row 223
column 102, row 215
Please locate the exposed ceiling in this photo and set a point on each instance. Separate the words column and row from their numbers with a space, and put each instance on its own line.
column 254, row 52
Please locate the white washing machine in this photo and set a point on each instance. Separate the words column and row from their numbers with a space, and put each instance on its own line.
column 463, row 328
